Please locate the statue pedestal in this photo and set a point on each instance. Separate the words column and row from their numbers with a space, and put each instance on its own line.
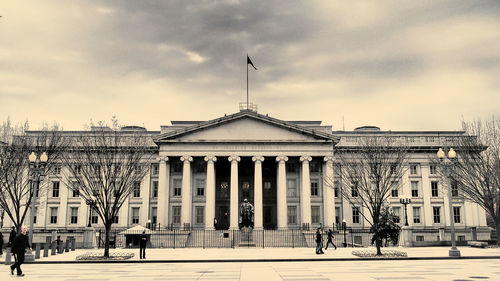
column 246, row 237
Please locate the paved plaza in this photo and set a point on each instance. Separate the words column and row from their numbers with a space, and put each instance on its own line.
column 429, row 263
column 268, row 271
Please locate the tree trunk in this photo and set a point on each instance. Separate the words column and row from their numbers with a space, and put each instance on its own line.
column 106, row 240
column 378, row 243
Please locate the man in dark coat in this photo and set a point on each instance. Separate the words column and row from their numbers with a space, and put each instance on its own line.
column 18, row 248
column 330, row 239
column 1, row 243
column 143, row 241
column 12, row 236
column 319, row 241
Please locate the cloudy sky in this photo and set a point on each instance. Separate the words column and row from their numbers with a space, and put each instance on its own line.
column 401, row 65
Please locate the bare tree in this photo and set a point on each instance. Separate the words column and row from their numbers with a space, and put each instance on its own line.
column 368, row 172
column 104, row 164
column 477, row 170
column 16, row 186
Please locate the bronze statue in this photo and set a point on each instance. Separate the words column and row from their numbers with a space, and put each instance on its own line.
column 246, row 214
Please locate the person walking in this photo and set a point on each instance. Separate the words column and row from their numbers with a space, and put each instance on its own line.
column 143, row 241
column 319, row 241
column 12, row 236
column 329, row 234
column 18, row 248
column 1, row 243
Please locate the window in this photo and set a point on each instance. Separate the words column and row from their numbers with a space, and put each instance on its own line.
column 199, row 167
column 436, row 214
column 74, row 215
column 291, row 188
column 77, row 169
column 155, row 189
column 292, row 214
column 291, row 168
column 34, row 215
column 135, row 215
column 433, row 169
column 434, row 189
column 416, row 214
column 155, row 169
column 419, row 238
column 115, row 219
column 336, row 185
column 454, row 188
column 177, row 167
column 57, row 169
column 355, row 215
column 76, row 193
column 315, row 214
column 137, row 189
column 337, row 215
column 200, row 187
column 267, row 185
column 397, row 213
column 154, row 215
column 314, row 166
column 94, row 218
column 177, row 187
column 413, row 169
column 199, row 212
column 55, row 189
column 354, row 190
column 456, row 214
column 176, row 214
column 414, row 189
column 53, row 215
column 394, row 189
column 314, row 188
column 394, row 193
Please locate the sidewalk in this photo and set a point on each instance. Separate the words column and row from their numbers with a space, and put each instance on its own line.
column 194, row 255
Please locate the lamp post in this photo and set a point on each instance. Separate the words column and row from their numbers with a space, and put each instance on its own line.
column 405, row 201
column 36, row 170
column 447, row 164
column 91, row 205
column 345, row 228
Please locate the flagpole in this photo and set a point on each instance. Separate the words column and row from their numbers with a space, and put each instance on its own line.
column 247, row 81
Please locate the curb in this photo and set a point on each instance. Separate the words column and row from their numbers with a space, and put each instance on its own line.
column 267, row 260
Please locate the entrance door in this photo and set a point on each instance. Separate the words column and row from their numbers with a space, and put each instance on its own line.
column 223, row 218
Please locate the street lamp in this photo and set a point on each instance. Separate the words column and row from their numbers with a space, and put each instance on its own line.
column 91, row 204
column 447, row 163
column 405, row 201
column 36, row 170
column 345, row 228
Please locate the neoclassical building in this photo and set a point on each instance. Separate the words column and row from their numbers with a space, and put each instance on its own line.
column 205, row 169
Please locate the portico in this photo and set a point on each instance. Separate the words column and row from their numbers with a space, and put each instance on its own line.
column 208, row 168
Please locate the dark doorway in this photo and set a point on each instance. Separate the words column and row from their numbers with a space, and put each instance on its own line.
column 269, row 183
column 222, row 192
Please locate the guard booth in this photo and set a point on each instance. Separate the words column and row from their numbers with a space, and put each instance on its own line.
column 132, row 236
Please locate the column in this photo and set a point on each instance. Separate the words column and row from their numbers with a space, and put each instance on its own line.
column 144, row 207
column 186, row 192
column 281, row 192
column 163, row 191
column 328, row 193
column 305, row 195
column 63, row 212
column 233, row 213
column 210, row 198
column 258, row 214
column 426, row 210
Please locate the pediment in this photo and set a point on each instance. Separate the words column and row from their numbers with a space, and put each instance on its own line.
column 245, row 127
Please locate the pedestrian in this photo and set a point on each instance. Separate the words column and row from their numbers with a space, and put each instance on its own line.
column 319, row 242
column 18, row 248
column 1, row 243
column 330, row 241
column 58, row 243
column 12, row 236
column 143, row 241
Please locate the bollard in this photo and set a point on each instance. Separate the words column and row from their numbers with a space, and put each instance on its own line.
column 73, row 242
column 66, row 246
column 7, row 256
column 45, row 250
column 37, row 251
column 53, row 249
column 60, row 248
